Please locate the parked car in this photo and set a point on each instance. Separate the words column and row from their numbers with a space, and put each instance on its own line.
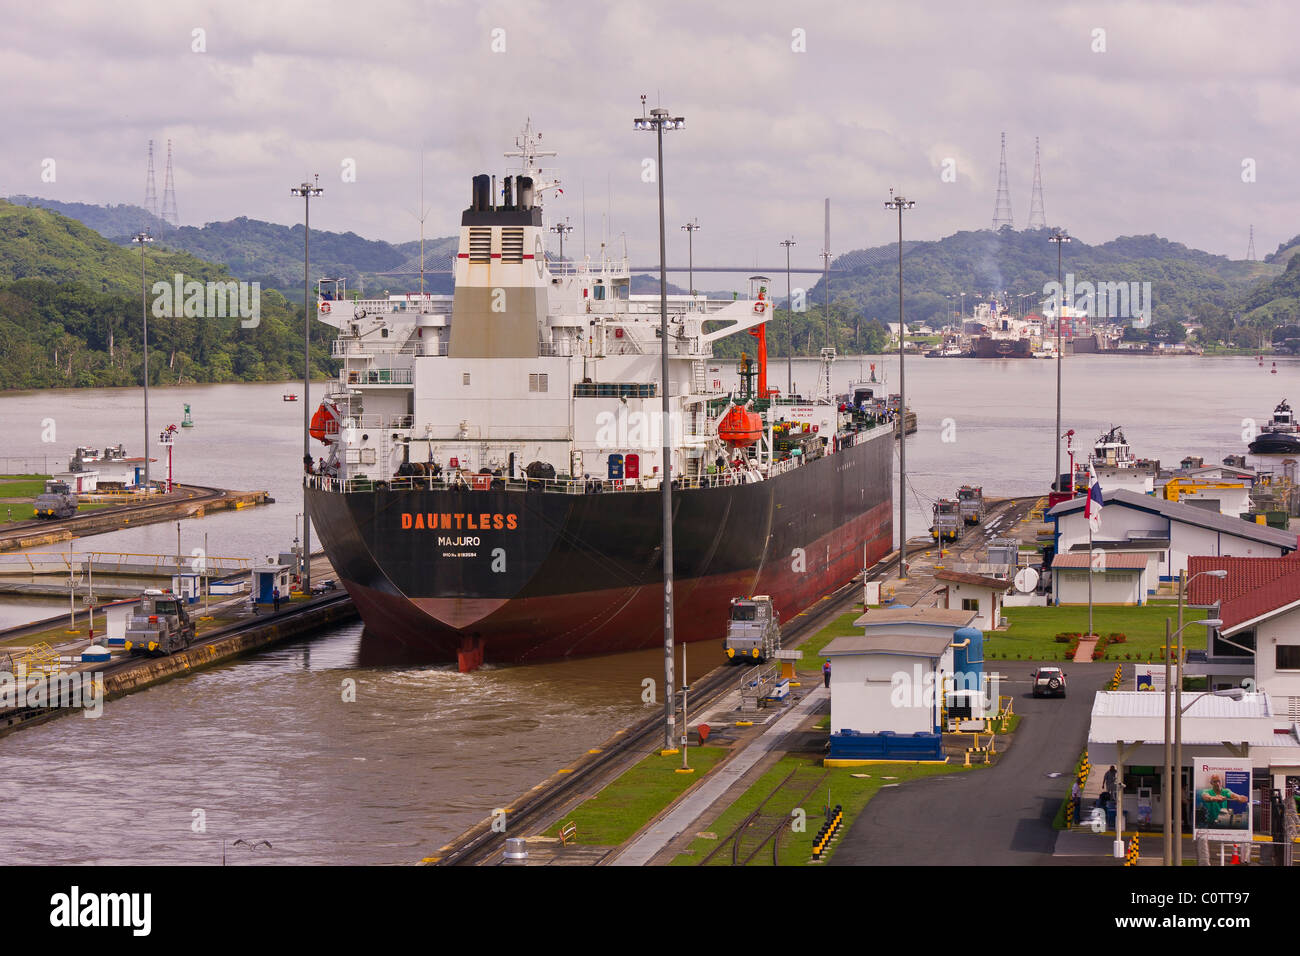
column 1049, row 682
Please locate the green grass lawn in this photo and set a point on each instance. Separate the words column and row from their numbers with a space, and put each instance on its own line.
column 840, row 787
column 22, row 486
column 1032, row 633
column 629, row 803
column 842, row 626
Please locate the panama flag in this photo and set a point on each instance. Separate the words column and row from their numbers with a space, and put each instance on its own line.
column 1092, row 507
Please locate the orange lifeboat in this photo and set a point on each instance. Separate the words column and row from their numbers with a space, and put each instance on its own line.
column 740, row 427
column 325, row 423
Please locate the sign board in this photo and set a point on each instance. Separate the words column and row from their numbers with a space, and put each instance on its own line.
column 1221, row 787
column 1149, row 677
column 784, row 655
column 871, row 593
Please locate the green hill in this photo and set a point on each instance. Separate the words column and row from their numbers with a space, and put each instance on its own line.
column 70, row 303
column 111, row 222
column 36, row 243
column 1184, row 282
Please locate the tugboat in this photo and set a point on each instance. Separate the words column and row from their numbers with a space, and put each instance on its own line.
column 1281, row 436
column 289, row 397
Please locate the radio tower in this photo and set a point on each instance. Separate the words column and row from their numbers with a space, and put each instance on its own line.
column 150, row 188
column 1037, row 217
column 169, row 192
column 1002, row 208
column 1250, row 249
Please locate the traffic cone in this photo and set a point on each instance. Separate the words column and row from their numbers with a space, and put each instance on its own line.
column 1236, row 855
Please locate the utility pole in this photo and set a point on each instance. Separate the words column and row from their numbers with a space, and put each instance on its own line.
column 308, row 192
column 789, row 322
column 899, row 203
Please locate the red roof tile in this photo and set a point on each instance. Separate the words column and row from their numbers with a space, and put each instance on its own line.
column 1278, row 593
column 1244, row 576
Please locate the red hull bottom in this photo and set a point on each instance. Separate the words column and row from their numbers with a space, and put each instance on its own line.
column 623, row 619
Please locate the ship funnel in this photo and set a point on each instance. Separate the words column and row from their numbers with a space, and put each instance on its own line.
column 482, row 193
column 525, row 192
column 508, row 201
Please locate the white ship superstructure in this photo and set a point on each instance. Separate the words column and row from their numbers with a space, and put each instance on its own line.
column 550, row 370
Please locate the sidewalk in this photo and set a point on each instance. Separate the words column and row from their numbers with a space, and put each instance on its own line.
column 699, row 799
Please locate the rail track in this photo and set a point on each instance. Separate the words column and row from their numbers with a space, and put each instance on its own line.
column 480, row 844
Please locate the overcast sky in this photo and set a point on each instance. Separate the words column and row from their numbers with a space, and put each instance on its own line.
column 1148, row 136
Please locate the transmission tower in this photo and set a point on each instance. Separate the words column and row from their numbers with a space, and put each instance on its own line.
column 150, row 188
column 1250, row 249
column 1002, row 208
column 1037, row 217
column 169, row 192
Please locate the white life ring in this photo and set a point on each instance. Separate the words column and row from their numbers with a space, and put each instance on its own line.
column 760, row 307
column 324, row 308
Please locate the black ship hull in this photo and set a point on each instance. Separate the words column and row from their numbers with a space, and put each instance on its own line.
column 1275, row 443
column 532, row 575
column 986, row 347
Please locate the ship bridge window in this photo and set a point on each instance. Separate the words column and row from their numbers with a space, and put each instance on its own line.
column 537, row 381
column 598, row 292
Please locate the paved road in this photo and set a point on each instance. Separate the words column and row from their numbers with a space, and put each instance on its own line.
column 999, row 816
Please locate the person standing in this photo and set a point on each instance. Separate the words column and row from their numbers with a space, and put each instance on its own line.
column 275, row 598
column 826, row 673
column 1108, row 782
column 1076, row 797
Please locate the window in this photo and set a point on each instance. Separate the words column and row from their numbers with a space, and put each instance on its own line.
column 464, row 378
column 1288, row 657
column 970, row 604
column 537, row 381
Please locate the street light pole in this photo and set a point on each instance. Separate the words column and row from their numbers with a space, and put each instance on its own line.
column 789, row 322
column 1059, row 236
column 1183, row 582
column 899, row 203
column 1173, row 790
column 142, row 238
column 691, row 228
column 659, row 120
column 307, row 191
column 561, row 229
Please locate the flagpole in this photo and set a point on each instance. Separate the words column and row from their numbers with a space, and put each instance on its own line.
column 1089, row 579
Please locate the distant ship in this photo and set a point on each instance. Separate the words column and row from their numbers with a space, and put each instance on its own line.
column 1004, row 335
column 490, row 488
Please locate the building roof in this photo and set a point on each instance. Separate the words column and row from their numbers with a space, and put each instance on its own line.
column 934, row 616
column 1117, row 561
column 1133, row 716
column 932, row 646
column 1185, row 514
column 1244, row 575
column 1280, row 594
column 975, row 580
column 1137, row 545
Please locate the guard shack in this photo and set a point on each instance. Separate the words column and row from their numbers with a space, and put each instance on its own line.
column 266, row 578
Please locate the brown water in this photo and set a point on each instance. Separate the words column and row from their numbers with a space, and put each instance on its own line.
column 266, row 746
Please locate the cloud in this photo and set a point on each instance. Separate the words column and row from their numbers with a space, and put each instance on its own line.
column 1148, row 136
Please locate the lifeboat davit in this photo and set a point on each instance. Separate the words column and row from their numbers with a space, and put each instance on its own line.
column 325, row 423
column 740, row 427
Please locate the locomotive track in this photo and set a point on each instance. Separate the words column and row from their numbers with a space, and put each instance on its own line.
column 481, row 845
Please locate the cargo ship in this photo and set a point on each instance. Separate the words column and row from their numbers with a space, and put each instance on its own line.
column 1004, row 336
column 489, row 482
